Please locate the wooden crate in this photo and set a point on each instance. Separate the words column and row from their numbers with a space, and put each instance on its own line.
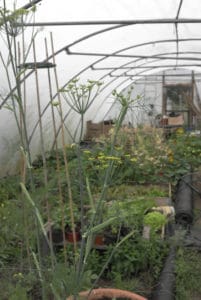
column 94, row 130
column 163, row 201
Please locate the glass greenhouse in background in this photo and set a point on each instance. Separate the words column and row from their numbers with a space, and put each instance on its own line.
column 100, row 126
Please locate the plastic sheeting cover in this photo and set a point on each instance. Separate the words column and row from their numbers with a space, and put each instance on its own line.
column 111, row 48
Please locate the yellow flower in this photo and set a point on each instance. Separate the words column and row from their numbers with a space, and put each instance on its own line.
column 18, row 275
column 171, row 159
column 87, row 152
column 101, row 157
column 101, row 154
column 133, row 159
column 180, row 130
column 112, row 158
column 118, row 148
column 169, row 152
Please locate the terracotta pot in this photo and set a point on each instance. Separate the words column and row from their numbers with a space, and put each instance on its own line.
column 99, row 240
column 108, row 293
column 71, row 238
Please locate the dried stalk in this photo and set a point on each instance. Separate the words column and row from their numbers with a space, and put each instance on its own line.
column 61, row 202
column 45, row 171
column 68, row 180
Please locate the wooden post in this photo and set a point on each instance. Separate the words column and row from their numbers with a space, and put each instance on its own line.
column 164, row 95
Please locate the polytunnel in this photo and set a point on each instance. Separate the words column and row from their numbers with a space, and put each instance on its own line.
column 100, row 149
column 121, row 44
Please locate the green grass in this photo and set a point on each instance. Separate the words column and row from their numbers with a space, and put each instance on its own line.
column 188, row 274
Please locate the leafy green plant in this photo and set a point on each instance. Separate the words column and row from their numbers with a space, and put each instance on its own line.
column 13, row 231
column 188, row 262
column 57, row 216
column 155, row 220
column 142, row 162
column 137, row 255
column 184, row 155
column 129, row 213
column 21, row 285
column 63, row 281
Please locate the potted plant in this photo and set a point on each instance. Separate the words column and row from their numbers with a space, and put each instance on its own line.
column 73, row 233
column 99, row 240
column 99, row 236
column 62, row 218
